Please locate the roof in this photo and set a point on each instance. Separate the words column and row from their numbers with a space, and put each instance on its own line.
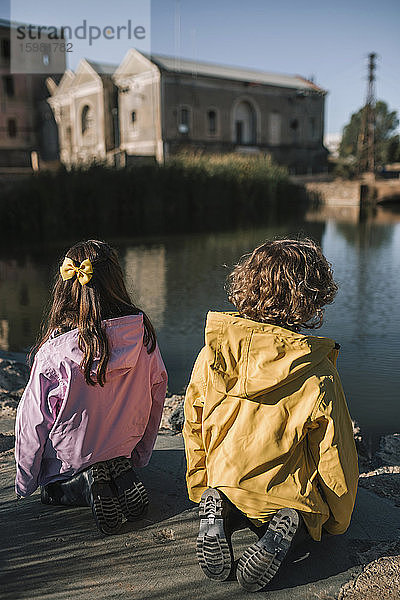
column 102, row 68
column 10, row 24
column 183, row 65
column 7, row 24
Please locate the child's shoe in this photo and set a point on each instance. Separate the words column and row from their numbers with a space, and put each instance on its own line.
column 71, row 492
column 103, row 499
column 214, row 551
column 261, row 561
column 131, row 493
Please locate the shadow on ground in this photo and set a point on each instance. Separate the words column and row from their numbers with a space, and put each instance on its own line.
column 57, row 553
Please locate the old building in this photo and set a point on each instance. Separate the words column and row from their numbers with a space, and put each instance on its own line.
column 85, row 106
column 26, row 121
column 157, row 105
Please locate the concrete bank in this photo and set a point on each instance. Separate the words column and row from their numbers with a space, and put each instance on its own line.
column 56, row 553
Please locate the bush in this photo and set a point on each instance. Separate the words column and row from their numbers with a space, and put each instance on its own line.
column 191, row 192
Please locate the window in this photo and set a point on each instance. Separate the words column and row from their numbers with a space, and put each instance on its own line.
column 184, row 116
column 5, row 48
column 8, row 85
column 294, row 124
column 212, row 122
column 85, row 119
column 313, row 128
column 275, row 128
column 12, row 128
column 133, row 117
column 183, row 125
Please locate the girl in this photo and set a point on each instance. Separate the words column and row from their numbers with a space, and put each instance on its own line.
column 93, row 403
column 267, row 432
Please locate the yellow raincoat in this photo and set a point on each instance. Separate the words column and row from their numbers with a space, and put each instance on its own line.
column 266, row 422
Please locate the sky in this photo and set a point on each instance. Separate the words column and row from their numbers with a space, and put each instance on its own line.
column 327, row 40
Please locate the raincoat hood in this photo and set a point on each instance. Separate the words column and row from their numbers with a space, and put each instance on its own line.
column 125, row 335
column 249, row 359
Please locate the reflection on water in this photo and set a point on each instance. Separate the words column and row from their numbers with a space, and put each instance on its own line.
column 4, row 331
column 145, row 276
column 177, row 279
column 24, row 289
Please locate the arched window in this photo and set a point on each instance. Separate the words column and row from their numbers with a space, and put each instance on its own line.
column 86, row 119
column 212, row 122
column 183, row 120
column 245, row 123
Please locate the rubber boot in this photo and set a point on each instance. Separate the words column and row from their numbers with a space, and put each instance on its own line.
column 92, row 487
column 261, row 561
column 131, row 493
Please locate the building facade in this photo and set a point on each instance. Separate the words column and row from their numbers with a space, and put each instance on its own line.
column 26, row 120
column 85, row 107
column 156, row 106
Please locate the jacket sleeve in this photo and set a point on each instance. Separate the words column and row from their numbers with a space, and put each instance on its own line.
column 196, row 474
column 33, row 423
column 142, row 452
column 334, row 453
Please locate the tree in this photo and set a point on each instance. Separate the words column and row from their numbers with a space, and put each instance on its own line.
column 387, row 144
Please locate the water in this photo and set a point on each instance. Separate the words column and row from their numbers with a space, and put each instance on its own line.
column 177, row 279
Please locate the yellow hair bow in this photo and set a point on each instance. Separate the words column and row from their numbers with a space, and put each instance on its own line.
column 83, row 273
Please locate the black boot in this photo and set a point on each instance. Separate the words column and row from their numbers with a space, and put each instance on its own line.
column 103, row 498
column 261, row 561
column 131, row 493
column 214, row 549
column 71, row 492
column 92, row 487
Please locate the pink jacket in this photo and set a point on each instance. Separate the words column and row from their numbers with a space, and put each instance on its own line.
column 64, row 425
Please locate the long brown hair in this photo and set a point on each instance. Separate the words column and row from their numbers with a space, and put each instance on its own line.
column 283, row 282
column 85, row 307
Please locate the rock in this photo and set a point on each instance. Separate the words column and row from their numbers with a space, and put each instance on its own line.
column 177, row 418
column 170, row 406
column 164, row 536
column 7, row 441
column 13, row 375
column 384, row 481
column 389, row 449
column 9, row 402
column 364, row 458
column 379, row 579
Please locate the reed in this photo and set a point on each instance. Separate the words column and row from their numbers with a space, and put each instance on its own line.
column 190, row 192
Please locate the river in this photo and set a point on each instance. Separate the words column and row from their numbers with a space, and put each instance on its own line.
column 178, row 278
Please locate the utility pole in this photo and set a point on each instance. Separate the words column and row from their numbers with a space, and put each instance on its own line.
column 366, row 137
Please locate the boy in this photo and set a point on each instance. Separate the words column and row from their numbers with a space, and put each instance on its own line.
column 268, row 436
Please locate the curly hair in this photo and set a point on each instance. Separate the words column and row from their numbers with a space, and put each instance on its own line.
column 283, row 282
